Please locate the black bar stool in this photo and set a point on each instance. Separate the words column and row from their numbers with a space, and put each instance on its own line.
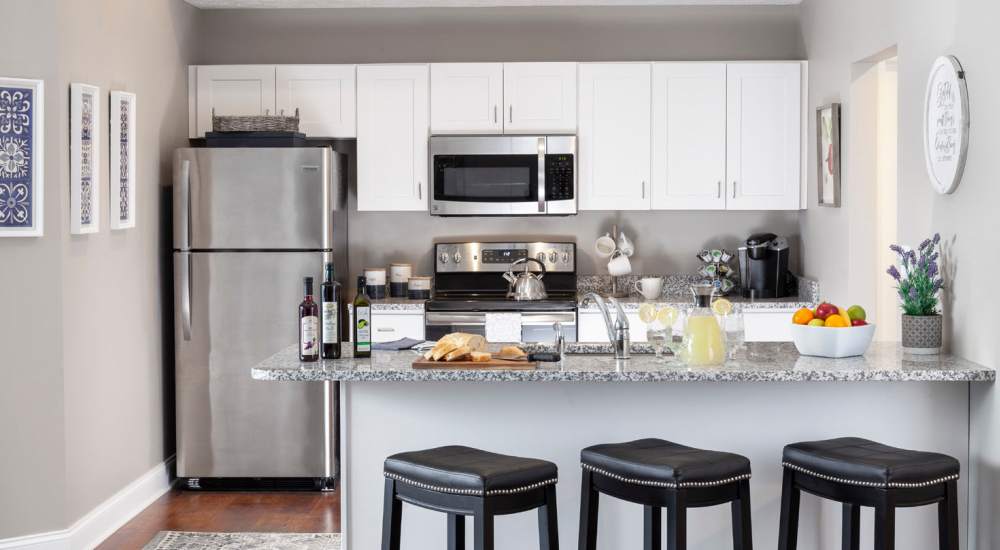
column 462, row 481
column 859, row 472
column 659, row 474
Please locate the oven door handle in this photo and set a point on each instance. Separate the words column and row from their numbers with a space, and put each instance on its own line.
column 543, row 319
column 541, row 175
column 442, row 319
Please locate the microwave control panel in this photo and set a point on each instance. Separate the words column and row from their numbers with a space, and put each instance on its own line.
column 559, row 177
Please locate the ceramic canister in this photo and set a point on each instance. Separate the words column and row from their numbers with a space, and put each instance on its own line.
column 399, row 277
column 419, row 288
column 375, row 277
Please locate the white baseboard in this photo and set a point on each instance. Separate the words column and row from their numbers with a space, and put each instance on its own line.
column 99, row 523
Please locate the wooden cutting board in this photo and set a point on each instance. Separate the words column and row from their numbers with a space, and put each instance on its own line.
column 492, row 364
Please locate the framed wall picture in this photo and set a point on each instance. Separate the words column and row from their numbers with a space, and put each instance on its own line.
column 84, row 159
column 22, row 181
column 121, row 145
column 828, row 154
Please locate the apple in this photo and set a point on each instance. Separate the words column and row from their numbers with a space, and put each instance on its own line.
column 825, row 310
column 858, row 322
column 857, row 313
column 817, row 323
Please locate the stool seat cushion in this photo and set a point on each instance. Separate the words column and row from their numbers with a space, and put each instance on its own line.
column 656, row 462
column 464, row 470
column 857, row 461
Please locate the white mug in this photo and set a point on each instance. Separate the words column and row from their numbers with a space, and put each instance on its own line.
column 625, row 245
column 619, row 265
column 605, row 246
column 649, row 287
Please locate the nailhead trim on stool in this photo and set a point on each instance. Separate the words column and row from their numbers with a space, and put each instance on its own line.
column 890, row 485
column 476, row 492
column 665, row 484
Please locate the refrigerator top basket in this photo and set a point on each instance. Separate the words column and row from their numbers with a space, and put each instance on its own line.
column 256, row 123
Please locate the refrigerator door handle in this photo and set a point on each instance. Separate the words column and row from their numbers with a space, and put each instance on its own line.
column 182, row 217
column 182, row 278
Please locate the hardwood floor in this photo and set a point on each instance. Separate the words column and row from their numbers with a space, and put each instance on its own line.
column 178, row 510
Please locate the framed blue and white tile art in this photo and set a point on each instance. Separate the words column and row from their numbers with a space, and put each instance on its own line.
column 121, row 181
column 84, row 159
column 22, row 181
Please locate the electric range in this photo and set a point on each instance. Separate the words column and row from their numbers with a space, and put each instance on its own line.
column 469, row 287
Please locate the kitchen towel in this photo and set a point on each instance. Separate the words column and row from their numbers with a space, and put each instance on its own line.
column 503, row 327
column 397, row 345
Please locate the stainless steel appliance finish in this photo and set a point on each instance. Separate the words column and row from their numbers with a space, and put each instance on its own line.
column 535, row 326
column 475, row 257
column 503, row 175
column 526, row 285
column 249, row 225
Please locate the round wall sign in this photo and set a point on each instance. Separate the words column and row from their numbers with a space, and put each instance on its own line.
column 946, row 124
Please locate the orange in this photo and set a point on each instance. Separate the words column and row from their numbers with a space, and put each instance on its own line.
column 803, row 316
column 837, row 321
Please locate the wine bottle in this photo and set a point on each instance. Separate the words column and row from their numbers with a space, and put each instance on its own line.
column 362, row 321
column 308, row 324
column 329, row 293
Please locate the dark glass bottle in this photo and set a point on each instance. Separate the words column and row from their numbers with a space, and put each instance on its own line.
column 329, row 295
column 362, row 321
column 308, row 324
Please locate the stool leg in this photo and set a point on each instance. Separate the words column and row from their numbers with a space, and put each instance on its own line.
column 676, row 520
column 742, row 532
column 392, row 511
column 588, row 512
column 456, row 532
column 548, row 521
column 851, row 530
column 652, row 528
column 885, row 522
column 948, row 518
column 788, row 533
column 483, row 529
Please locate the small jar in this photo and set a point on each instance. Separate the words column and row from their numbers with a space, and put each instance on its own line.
column 419, row 288
column 399, row 278
column 375, row 287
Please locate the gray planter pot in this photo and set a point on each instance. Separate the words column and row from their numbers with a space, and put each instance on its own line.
column 922, row 334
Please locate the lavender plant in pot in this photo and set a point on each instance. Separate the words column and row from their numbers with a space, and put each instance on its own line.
column 919, row 281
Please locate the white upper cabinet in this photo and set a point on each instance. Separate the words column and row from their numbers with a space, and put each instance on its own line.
column 539, row 98
column 232, row 90
column 764, row 137
column 393, row 126
column 466, row 98
column 614, row 134
column 324, row 96
column 689, row 136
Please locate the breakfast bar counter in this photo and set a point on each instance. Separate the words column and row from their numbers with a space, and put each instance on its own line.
column 754, row 406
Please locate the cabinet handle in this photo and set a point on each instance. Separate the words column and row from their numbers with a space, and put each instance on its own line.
column 420, row 190
column 495, row 114
column 384, row 329
column 734, row 189
column 511, row 115
column 718, row 192
column 644, row 189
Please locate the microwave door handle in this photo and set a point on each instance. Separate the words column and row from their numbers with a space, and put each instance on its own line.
column 541, row 175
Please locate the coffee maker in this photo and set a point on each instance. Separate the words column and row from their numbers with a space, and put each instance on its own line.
column 764, row 267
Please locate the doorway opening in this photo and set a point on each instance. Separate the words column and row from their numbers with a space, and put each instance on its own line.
column 873, row 136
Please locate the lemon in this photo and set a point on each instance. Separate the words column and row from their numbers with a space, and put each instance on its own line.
column 722, row 307
column 667, row 316
column 647, row 313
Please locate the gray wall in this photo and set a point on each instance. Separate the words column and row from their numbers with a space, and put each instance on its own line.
column 666, row 241
column 86, row 402
column 841, row 32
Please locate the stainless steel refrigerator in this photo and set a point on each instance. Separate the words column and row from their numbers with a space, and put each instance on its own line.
column 249, row 224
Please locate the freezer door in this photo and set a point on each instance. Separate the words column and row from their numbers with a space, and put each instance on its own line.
column 232, row 310
column 253, row 199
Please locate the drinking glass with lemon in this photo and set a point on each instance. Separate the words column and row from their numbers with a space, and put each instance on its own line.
column 659, row 325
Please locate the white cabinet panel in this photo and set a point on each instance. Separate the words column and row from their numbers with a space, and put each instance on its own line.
column 590, row 327
column 764, row 121
column 539, row 98
column 768, row 326
column 389, row 326
column 466, row 98
column 324, row 96
column 689, row 136
column 393, row 124
column 233, row 90
column 614, row 136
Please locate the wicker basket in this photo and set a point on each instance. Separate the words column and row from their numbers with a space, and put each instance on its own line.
column 256, row 123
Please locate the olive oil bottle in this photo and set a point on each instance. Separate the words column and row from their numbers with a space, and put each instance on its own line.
column 362, row 321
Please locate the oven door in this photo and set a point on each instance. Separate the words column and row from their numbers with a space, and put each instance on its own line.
column 535, row 326
column 487, row 175
column 438, row 324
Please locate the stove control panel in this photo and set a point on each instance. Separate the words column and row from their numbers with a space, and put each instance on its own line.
column 497, row 257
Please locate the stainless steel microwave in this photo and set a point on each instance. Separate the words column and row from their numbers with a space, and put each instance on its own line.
column 503, row 175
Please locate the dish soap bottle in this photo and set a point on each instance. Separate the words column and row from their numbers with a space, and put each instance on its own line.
column 703, row 343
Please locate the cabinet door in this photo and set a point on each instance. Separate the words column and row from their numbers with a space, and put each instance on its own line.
column 764, row 122
column 614, row 135
column 466, row 98
column 393, row 123
column 539, row 98
column 324, row 96
column 233, row 90
column 689, row 136
column 390, row 326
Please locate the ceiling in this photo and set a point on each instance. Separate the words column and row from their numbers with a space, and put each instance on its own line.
column 231, row 4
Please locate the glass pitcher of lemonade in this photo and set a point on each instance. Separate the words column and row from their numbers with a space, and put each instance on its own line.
column 704, row 342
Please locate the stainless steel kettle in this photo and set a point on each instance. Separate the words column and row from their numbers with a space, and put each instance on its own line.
column 525, row 285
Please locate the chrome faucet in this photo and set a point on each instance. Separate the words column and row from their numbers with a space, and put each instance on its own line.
column 617, row 329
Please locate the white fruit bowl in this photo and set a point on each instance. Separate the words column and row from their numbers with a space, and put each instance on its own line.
column 832, row 342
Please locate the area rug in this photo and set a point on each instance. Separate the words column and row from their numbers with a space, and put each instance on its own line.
column 185, row 540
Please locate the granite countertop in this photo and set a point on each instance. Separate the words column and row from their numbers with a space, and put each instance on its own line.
column 632, row 303
column 762, row 362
